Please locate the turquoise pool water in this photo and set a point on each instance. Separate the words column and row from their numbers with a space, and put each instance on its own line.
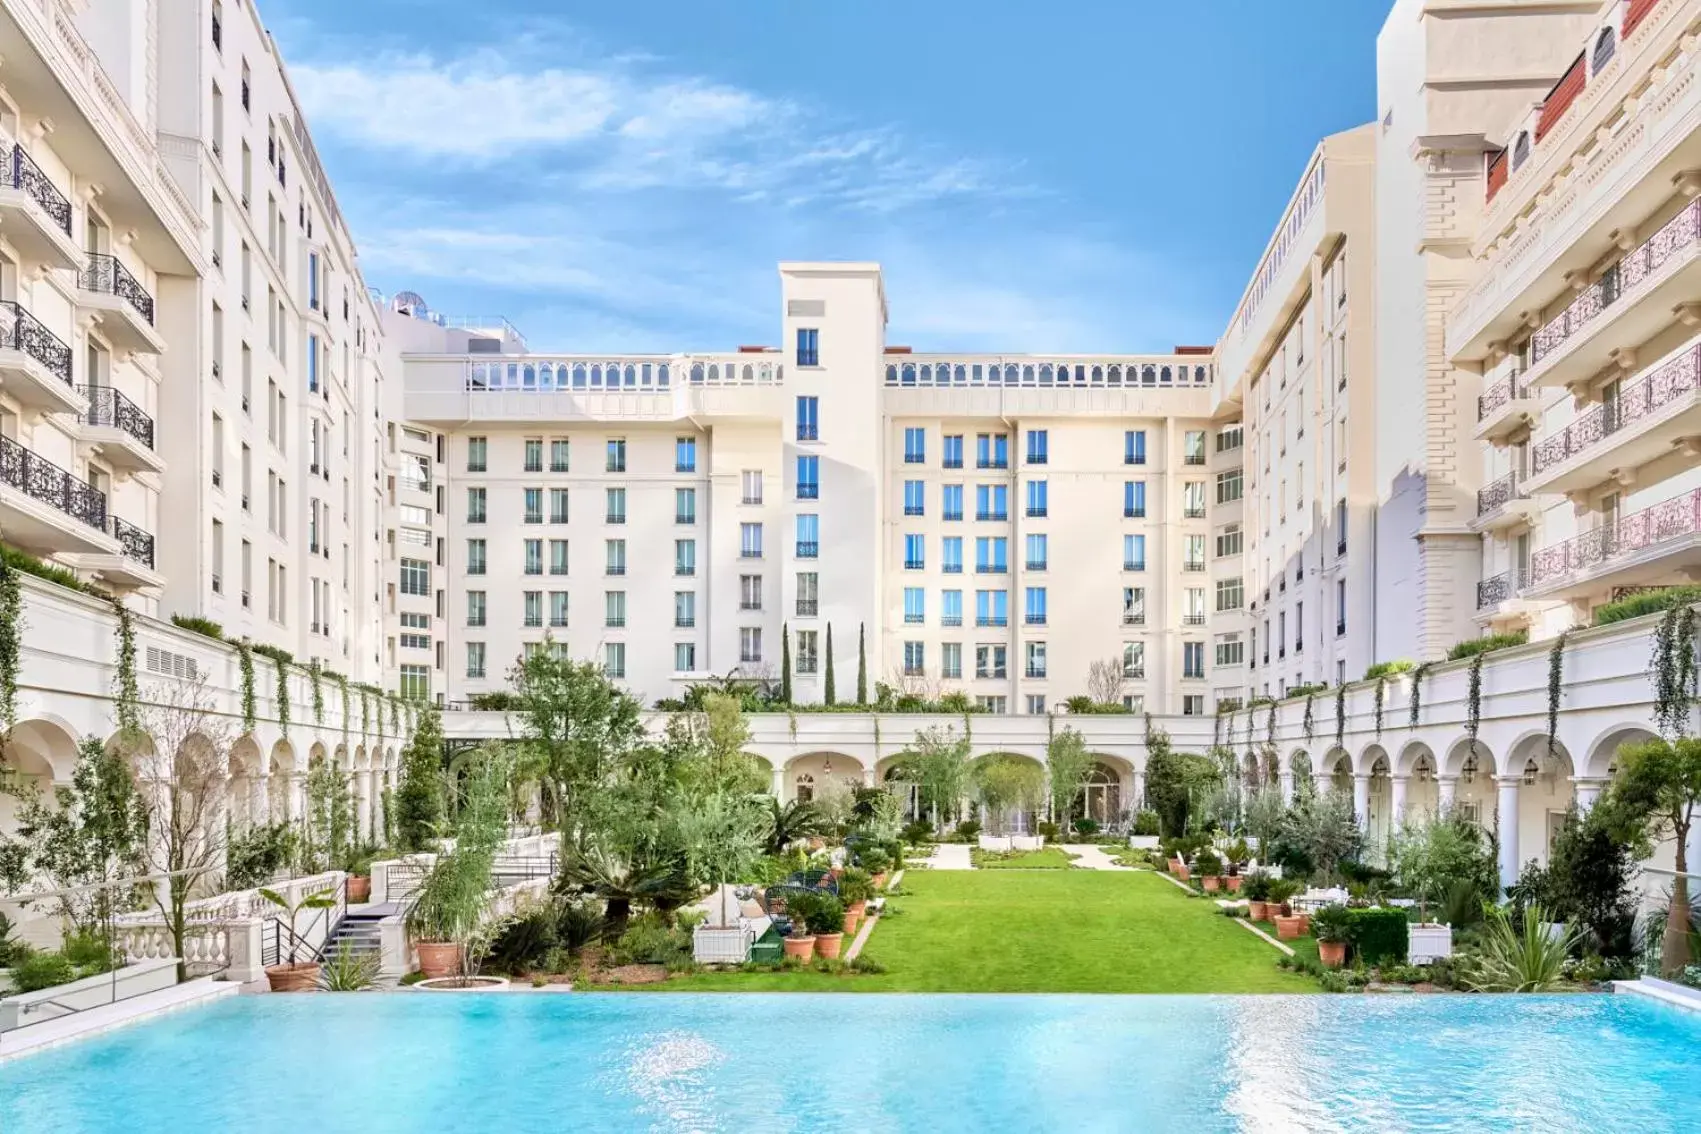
column 733, row 1062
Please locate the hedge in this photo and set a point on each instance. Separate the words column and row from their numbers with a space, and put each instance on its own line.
column 1470, row 647
column 1649, row 602
column 1378, row 935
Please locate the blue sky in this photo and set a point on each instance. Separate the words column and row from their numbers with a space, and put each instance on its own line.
column 1066, row 176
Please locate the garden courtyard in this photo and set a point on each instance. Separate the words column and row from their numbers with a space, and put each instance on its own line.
column 1042, row 931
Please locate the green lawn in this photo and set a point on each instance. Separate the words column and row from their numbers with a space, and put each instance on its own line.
column 1043, row 931
column 1046, row 858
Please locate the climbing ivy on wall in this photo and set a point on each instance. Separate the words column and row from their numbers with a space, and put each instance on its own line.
column 1270, row 725
column 281, row 693
column 126, row 693
column 1473, row 697
column 395, row 714
column 1672, row 666
column 11, row 637
column 245, row 661
column 1310, row 722
column 1381, row 691
column 1555, row 679
column 342, row 688
column 1340, row 713
column 1418, row 675
column 315, row 677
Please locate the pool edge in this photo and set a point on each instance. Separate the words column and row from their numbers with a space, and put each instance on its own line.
column 1664, row 991
column 50, row 1034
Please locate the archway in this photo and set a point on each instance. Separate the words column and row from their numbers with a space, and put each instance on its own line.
column 1304, row 781
column 250, row 787
column 1422, row 801
column 1379, row 821
column 1340, row 771
column 1546, row 792
column 1602, row 754
column 1010, row 789
column 1100, row 797
column 824, row 778
column 1469, row 775
column 907, row 791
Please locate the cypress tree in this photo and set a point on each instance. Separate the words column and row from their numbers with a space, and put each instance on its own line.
column 785, row 663
column 831, row 697
column 861, row 664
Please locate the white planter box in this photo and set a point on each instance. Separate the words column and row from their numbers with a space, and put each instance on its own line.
column 1144, row 842
column 721, row 945
column 90, row 992
column 5, row 979
column 1027, row 842
column 995, row 842
column 1426, row 943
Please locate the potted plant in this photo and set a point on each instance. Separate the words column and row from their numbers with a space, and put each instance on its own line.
column 825, row 917
column 1233, row 879
column 1210, row 869
column 1257, row 891
column 877, row 862
column 856, row 888
column 1332, row 925
column 1288, row 926
column 295, row 975
column 357, row 864
column 799, row 943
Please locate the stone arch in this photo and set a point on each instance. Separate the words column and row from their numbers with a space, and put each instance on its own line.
column 1101, row 796
column 1337, row 771
column 1468, row 781
column 812, row 775
column 1601, row 753
column 1546, row 791
column 1379, row 821
column 1422, row 803
column 890, row 773
column 1011, row 818
column 249, row 787
column 1368, row 757
column 38, row 753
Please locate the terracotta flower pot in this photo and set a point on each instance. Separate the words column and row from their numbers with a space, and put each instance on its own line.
column 1211, row 882
column 802, row 948
column 438, row 958
column 860, row 909
column 303, row 977
column 1233, row 883
column 359, row 888
column 1333, row 954
column 1289, row 928
column 1179, row 869
column 1304, row 922
column 1258, row 911
column 851, row 922
column 828, row 945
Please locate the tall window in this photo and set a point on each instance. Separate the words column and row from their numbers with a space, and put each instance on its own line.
column 951, row 555
column 808, row 346
column 558, row 557
column 684, row 609
column 414, row 682
column 915, row 554
column 1193, row 553
column 992, row 608
column 991, row 555
column 1036, row 556
column 475, row 557
column 808, row 535
column 1193, row 447
column 1228, row 486
column 559, row 455
column 953, row 451
column 808, row 424
column 558, row 608
column 614, row 659
column 684, row 557
column 1133, row 606
column 1038, row 446
column 1193, row 500
column 915, row 655
column 808, row 594
column 915, row 605
column 915, row 445
column 616, row 458
column 1193, row 606
column 951, row 501
column 558, row 505
column 808, row 651
column 534, row 557
column 478, row 454
column 749, row 644
column 1134, row 447
column 415, row 577
column 534, row 505
column 534, row 454
column 992, row 451
column 1035, row 666
column 750, row 482
column 992, row 502
column 1134, row 552
column 685, row 454
column 684, row 657
column 1134, row 659
column 1193, row 659
column 750, row 541
column 1134, row 499
column 475, row 608
column 950, row 608
column 475, row 659
column 1033, row 609
column 614, row 505
column 1231, row 594
column 1037, row 498
column 808, row 477
column 750, row 592
column 614, row 609
column 951, row 659
column 914, row 498
column 685, row 505
column 615, row 556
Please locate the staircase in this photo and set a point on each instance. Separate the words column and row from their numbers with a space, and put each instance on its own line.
column 358, row 931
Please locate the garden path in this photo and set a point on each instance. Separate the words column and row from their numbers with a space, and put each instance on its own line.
column 1090, row 856
column 951, row 856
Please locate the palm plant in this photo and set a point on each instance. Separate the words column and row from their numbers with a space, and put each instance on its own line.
column 318, row 900
column 1529, row 958
column 622, row 877
column 349, row 971
column 789, row 822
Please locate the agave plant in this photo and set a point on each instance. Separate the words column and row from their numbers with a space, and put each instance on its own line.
column 349, row 971
column 1530, row 959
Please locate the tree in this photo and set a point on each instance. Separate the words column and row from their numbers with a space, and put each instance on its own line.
column 1067, row 763
column 938, row 764
column 1104, row 681
column 1008, row 782
column 90, row 835
column 789, row 822
column 1432, row 859
column 830, row 693
column 1175, row 781
column 785, row 663
column 1652, row 800
column 1589, row 876
column 418, row 803
column 861, row 663
column 1320, row 833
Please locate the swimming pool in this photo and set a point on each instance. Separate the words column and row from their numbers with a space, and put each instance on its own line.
column 748, row 1062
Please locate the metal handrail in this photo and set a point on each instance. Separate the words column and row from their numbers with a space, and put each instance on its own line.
column 109, row 277
column 43, row 480
column 19, row 330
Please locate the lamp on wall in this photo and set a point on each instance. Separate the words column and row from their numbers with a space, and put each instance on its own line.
column 1422, row 772
column 1468, row 772
column 1530, row 771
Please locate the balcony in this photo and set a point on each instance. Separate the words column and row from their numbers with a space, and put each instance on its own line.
column 808, row 549
column 1659, row 544
column 992, row 517
column 1033, row 620
column 808, row 608
column 1193, row 565
column 132, row 566
column 1632, row 301
column 1134, row 619
column 1503, row 504
column 1193, row 620
column 1133, row 564
column 1504, row 410
column 1035, row 673
column 807, row 491
column 1647, row 419
column 950, row 620
column 992, row 620
column 1495, row 592
column 35, row 365
column 124, row 308
column 119, row 430
column 46, row 510
column 989, row 569
column 1035, row 565
column 34, row 214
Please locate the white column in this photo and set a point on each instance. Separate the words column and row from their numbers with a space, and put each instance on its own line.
column 1506, row 826
column 1285, row 778
column 868, row 777
column 1139, row 800
column 779, row 784
column 1588, row 791
column 1361, row 797
column 259, row 801
column 362, row 804
column 294, row 786
column 1399, row 800
column 1447, row 788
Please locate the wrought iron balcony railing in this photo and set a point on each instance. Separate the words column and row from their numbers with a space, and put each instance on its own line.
column 19, row 330
column 45, row 481
column 109, row 407
column 1497, row 494
column 1498, row 588
column 22, row 173
column 137, row 544
column 1499, row 394
column 1671, row 380
column 107, row 276
column 1667, row 520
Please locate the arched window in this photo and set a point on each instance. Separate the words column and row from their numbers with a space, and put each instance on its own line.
column 804, row 788
column 891, row 375
column 1100, row 798
column 1149, row 376
column 696, row 373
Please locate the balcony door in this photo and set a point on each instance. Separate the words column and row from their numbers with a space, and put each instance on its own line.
column 1611, row 507
column 1610, row 407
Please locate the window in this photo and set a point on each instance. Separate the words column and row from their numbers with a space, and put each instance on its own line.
column 1298, row 627
column 533, row 601
column 1134, row 499
column 1340, row 527
column 614, row 659
column 807, row 418
column 1036, row 704
column 808, row 535
column 558, row 505
column 614, row 505
column 1193, row 659
column 475, row 557
column 1134, row 447
column 951, row 555
column 614, row 609
column 991, row 703
column 685, row 505
column 992, row 451
column 991, row 555
column 684, row 609
column 808, row 651
column 953, row 451
column 750, row 644
column 559, row 455
column 1193, row 705
column 991, row 660
column 1133, row 606
column 558, row 608
column 1193, row 553
column 808, row 594
column 684, row 657
column 992, row 502
column 750, row 481
column 1036, row 557
column 1299, row 487
column 1134, row 659
column 558, row 557
column 808, row 346
column 1134, row 703
column 915, row 656
column 534, row 505
column 1228, row 486
column 475, row 505
column 1193, row 606
column 1340, row 607
column 808, row 478
column 750, row 592
column 1229, row 541
column 1193, row 500
column 684, row 454
column 915, row 554
column 950, row 608
column 1038, row 446
column 915, row 606
column 685, row 557
column 1035, row 666
column 475, row 608
column 1193, row 447
column 475, row 659
column 1231, row 594
column 951, row 659
column 992, row 608
column 1033, row 610
column 750, row 541
column 534, row 454
column 913, row 498
column 1229, row 439
column 616, row 455
column 414, row 682
column 951, row 501
column 1037, row 498
column 1134, row 552
column 416, row 577
column 915, row 445
column 534, row 556
column 615, row 556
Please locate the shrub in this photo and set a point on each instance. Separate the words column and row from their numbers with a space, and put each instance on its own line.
column 1207, row 864
column 1146, row 823
column 1086, row 826
column 30, row 565
column 42, row 970
column 1514, row 960
column 1486, row 644
column 855, row 886
column 917, row 833
column 1378, row 934
column 1388, row 669
column 348, row 971
column 525, row 940
column 1047, row 830
column 824, row 914
column 875, row 860
column 90, row 954
column 651, row 939
column 11, row 949
column 501, row 700
column 1649, row 602
column 577, row 925
column 968, row 829
column 1256, row 888
column 195, row 624
column 256, row 854
column 1332, row 923
column 1305, row 690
